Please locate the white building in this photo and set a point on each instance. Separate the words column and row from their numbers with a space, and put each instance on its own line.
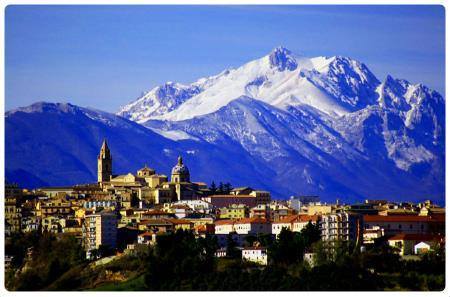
column 294, row 223
column 148, row 238
column 341, row 226
column 243, row 226
column 253, row 226
column 221, row 253
column 224, row 226
column 369, row 235
column 421, row 248
column 303, row 220
column 255, row 254
column 286, row 223
column 181, row 210
column 99, row 229
column 295, row 203
column 197, row 205
column 408, row 224
column 107, row 203
column 240, row 229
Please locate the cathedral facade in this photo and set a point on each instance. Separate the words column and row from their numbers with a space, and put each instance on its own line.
column 146, row 186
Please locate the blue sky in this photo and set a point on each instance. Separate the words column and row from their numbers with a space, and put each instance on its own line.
column 105, row 56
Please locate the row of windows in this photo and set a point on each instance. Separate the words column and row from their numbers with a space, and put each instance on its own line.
column 400, row 226
column 254, row 252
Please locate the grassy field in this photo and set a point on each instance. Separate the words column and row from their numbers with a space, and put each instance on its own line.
column 134, row 284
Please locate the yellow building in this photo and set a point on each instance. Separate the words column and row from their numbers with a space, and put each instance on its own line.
column 99, row 229
column 52, row 224
column 234, row 211
column 181, row 224
column 319, row 209
column 54, row 207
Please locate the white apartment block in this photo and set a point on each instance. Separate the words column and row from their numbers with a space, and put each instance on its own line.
column 255, row 254
column 253, row 226
column 341, row 226
column 99, row 229
column 243, row 226
column 294, row 223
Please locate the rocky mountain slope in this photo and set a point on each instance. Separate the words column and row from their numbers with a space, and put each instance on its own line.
column 323, row 124
column 284, row 122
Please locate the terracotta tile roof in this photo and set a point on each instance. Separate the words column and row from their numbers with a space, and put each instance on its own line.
column 155, row 221
column 297, row 218
column 200, row 228
column 146, row 234
column 232, row 196
column 224, row 222
column 155, row 212
column 179, row 221
column 287, row 220
column 307, row 218
column 438, row 216
column 401, row 218
column 415, row 237
column 252, row 220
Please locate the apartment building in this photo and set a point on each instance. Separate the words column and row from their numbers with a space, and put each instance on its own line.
column 341, row 226
column 99, row 229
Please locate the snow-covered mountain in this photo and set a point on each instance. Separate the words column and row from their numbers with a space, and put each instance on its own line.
column 334, row 85
column 285, row 123
column 324, row 125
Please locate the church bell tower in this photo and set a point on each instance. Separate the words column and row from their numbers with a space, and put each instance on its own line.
column 104, row 162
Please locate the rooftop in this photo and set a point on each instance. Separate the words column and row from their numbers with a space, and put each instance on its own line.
column 402, row 218
column 415, row 237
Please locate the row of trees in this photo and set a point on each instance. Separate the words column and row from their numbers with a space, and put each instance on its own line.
column 222, row 189
column 50, row 257
column 180, row 261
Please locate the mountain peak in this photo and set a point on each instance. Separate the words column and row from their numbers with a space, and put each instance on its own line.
column 281, row 48
column 282, row 58
column 43, row 106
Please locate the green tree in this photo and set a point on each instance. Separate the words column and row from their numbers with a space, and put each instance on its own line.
column 288, row 248
column 232, row 250
column 227, row 187
column 220, row 190
column 310, row 234
column 213, row 188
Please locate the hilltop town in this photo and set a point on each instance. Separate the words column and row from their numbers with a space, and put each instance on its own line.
column 119, row 215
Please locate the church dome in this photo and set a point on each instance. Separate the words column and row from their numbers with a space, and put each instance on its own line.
column 180, row 168
column 145, row 171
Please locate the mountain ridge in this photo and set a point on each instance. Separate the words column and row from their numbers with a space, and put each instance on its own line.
column 286, row 123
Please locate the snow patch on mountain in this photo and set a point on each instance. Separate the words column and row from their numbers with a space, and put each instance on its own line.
column 158, row 101
column 174, row 134
column 334, row 85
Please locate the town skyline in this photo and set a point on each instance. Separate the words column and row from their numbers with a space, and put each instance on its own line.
column 250, row 148
column 124, row 217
